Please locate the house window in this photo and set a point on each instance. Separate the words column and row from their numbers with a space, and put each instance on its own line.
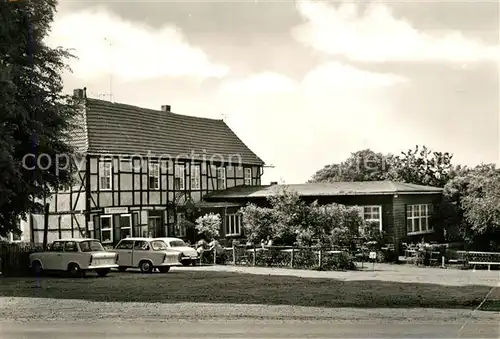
column 233, row 224
column 372, row 214
column 417, row 219
column 105, row 175
column 16, row 237
column 248, row 176
column 125, row 226
column 106, row 229
column 154, row 176
column 221, row 178
column 180, row 226
column 195, row 177
column 179, row 177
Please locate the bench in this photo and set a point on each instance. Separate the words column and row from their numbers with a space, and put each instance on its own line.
column 483, row 263
column 481, row 259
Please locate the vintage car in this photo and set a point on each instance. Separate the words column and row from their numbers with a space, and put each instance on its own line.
column 189, row 254
column 75, row 256
column 146, row 254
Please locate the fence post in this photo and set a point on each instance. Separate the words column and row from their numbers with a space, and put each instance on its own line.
column 320, row 257
column 292, row 254
column 45, row 226
column 215, row 256
column 234, row 255
column 254, row 254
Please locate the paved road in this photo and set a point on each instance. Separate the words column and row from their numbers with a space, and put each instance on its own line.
column 244, row 328
column 33, row 318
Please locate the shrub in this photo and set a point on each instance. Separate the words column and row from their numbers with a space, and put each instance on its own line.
column 15, row 257
column 208, row 225
column 341, row 261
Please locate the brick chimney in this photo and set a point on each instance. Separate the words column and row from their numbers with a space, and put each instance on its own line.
column 80, row 93
column 165, row 108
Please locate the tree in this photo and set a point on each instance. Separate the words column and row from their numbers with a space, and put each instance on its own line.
column 36, row 118
column 363, row 165
column 208, row 225
column 470, row 210
column 257, row 222
column 421, row 166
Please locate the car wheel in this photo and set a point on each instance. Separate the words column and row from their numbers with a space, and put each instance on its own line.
column 146, row 266
column 186, row 262
column 122, row 269
column 164, row 269
column 194, row 262
column 103, row 272
column 75, row 271
column 36, row 267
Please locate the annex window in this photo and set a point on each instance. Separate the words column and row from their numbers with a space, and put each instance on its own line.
column 106, row 229
column 417, row 219
column 248, row 176
column 154, row 176
column 195, row 177
column 233, row 224
column 179, row 177
column 125, row 226
column 105, row 175
column 221, row 178
column 373, row 214
column 180, row 226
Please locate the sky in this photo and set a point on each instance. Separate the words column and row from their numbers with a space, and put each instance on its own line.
column 302, row 83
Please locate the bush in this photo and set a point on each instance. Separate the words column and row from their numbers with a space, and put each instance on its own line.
column 15, row 257
column 209, row 226
column 341, row 261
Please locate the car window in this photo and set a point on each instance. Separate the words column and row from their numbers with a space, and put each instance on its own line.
column 70, row 246
column 177, row 243
column 125, row 245
column 57, row 246
column 158, row 245
column 91, row 246
column 141, row 245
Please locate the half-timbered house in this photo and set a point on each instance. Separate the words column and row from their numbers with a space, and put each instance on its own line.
column 141, row 172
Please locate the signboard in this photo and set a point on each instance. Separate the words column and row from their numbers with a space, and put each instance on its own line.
column 373, row 255
column 116, row 210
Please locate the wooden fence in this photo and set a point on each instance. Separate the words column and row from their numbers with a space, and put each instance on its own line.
column 14, row 257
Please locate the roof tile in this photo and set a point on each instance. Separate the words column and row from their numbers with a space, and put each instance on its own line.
column 115, row 128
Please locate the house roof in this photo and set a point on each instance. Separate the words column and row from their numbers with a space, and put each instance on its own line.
column 120, row 129
column 327, row 189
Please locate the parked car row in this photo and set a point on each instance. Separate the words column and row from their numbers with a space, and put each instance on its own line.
column 78, row 256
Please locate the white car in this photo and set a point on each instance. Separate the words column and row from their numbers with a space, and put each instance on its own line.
column 75, row 256
column 189, row 254
column 147, row 254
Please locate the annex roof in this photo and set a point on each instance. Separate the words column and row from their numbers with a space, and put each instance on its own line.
column 118, row 129
column 326, row 189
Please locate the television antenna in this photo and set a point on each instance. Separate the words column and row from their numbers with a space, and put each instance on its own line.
column 110, row 69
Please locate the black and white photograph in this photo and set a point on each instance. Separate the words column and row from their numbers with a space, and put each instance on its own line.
column 249, row 169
